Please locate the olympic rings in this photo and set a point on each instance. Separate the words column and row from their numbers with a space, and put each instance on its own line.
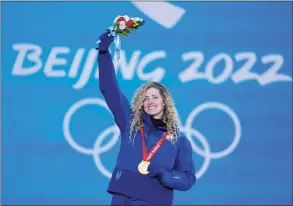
column 190, row 132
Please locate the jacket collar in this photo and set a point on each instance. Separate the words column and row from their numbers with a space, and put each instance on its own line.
column 148, row 122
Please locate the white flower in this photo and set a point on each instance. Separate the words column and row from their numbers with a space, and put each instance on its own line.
column 122, row 25
column 137, row 19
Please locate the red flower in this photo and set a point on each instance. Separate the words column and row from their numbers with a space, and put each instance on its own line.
column 130, row 23
column 120, row 19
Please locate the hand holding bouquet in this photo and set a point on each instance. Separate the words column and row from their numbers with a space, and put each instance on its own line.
column 123, row 26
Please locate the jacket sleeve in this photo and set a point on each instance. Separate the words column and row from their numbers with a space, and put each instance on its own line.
column 115, row 99
column 183, row 175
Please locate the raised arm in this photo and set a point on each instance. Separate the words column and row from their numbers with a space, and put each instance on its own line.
column 115, row 99
column 183, row 175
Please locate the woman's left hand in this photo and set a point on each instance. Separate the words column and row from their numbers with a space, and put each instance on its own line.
column 155, row 170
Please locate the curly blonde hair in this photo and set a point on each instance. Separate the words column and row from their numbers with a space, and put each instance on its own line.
column 170, row 115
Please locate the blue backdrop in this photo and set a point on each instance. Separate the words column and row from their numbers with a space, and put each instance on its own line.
column 227, row 65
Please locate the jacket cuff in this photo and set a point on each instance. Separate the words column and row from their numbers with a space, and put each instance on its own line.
column 103, row 51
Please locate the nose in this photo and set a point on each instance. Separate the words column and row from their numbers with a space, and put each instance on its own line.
column 151, row 101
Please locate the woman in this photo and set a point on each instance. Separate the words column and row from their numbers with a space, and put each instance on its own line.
column 154, row 158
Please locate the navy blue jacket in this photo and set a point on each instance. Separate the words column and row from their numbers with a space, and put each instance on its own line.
column 174, row 159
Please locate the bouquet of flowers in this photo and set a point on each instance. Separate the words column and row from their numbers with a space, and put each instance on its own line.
column 123, row 26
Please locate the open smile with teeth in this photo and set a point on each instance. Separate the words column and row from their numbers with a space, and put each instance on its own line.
column 152, row 107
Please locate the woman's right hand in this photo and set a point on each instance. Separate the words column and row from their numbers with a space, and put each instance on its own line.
column 105, row 40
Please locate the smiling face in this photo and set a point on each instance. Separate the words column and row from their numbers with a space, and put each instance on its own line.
column 153, row 103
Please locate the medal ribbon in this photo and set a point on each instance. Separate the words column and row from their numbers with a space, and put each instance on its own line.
column 117, row 42
column 147, row 157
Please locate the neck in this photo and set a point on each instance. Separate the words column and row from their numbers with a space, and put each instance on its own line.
column 158, row 116
column 157, row 122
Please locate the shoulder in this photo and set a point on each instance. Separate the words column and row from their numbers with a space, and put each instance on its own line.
column 183, row 142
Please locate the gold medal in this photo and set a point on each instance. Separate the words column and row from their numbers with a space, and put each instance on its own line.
column 143, row 167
